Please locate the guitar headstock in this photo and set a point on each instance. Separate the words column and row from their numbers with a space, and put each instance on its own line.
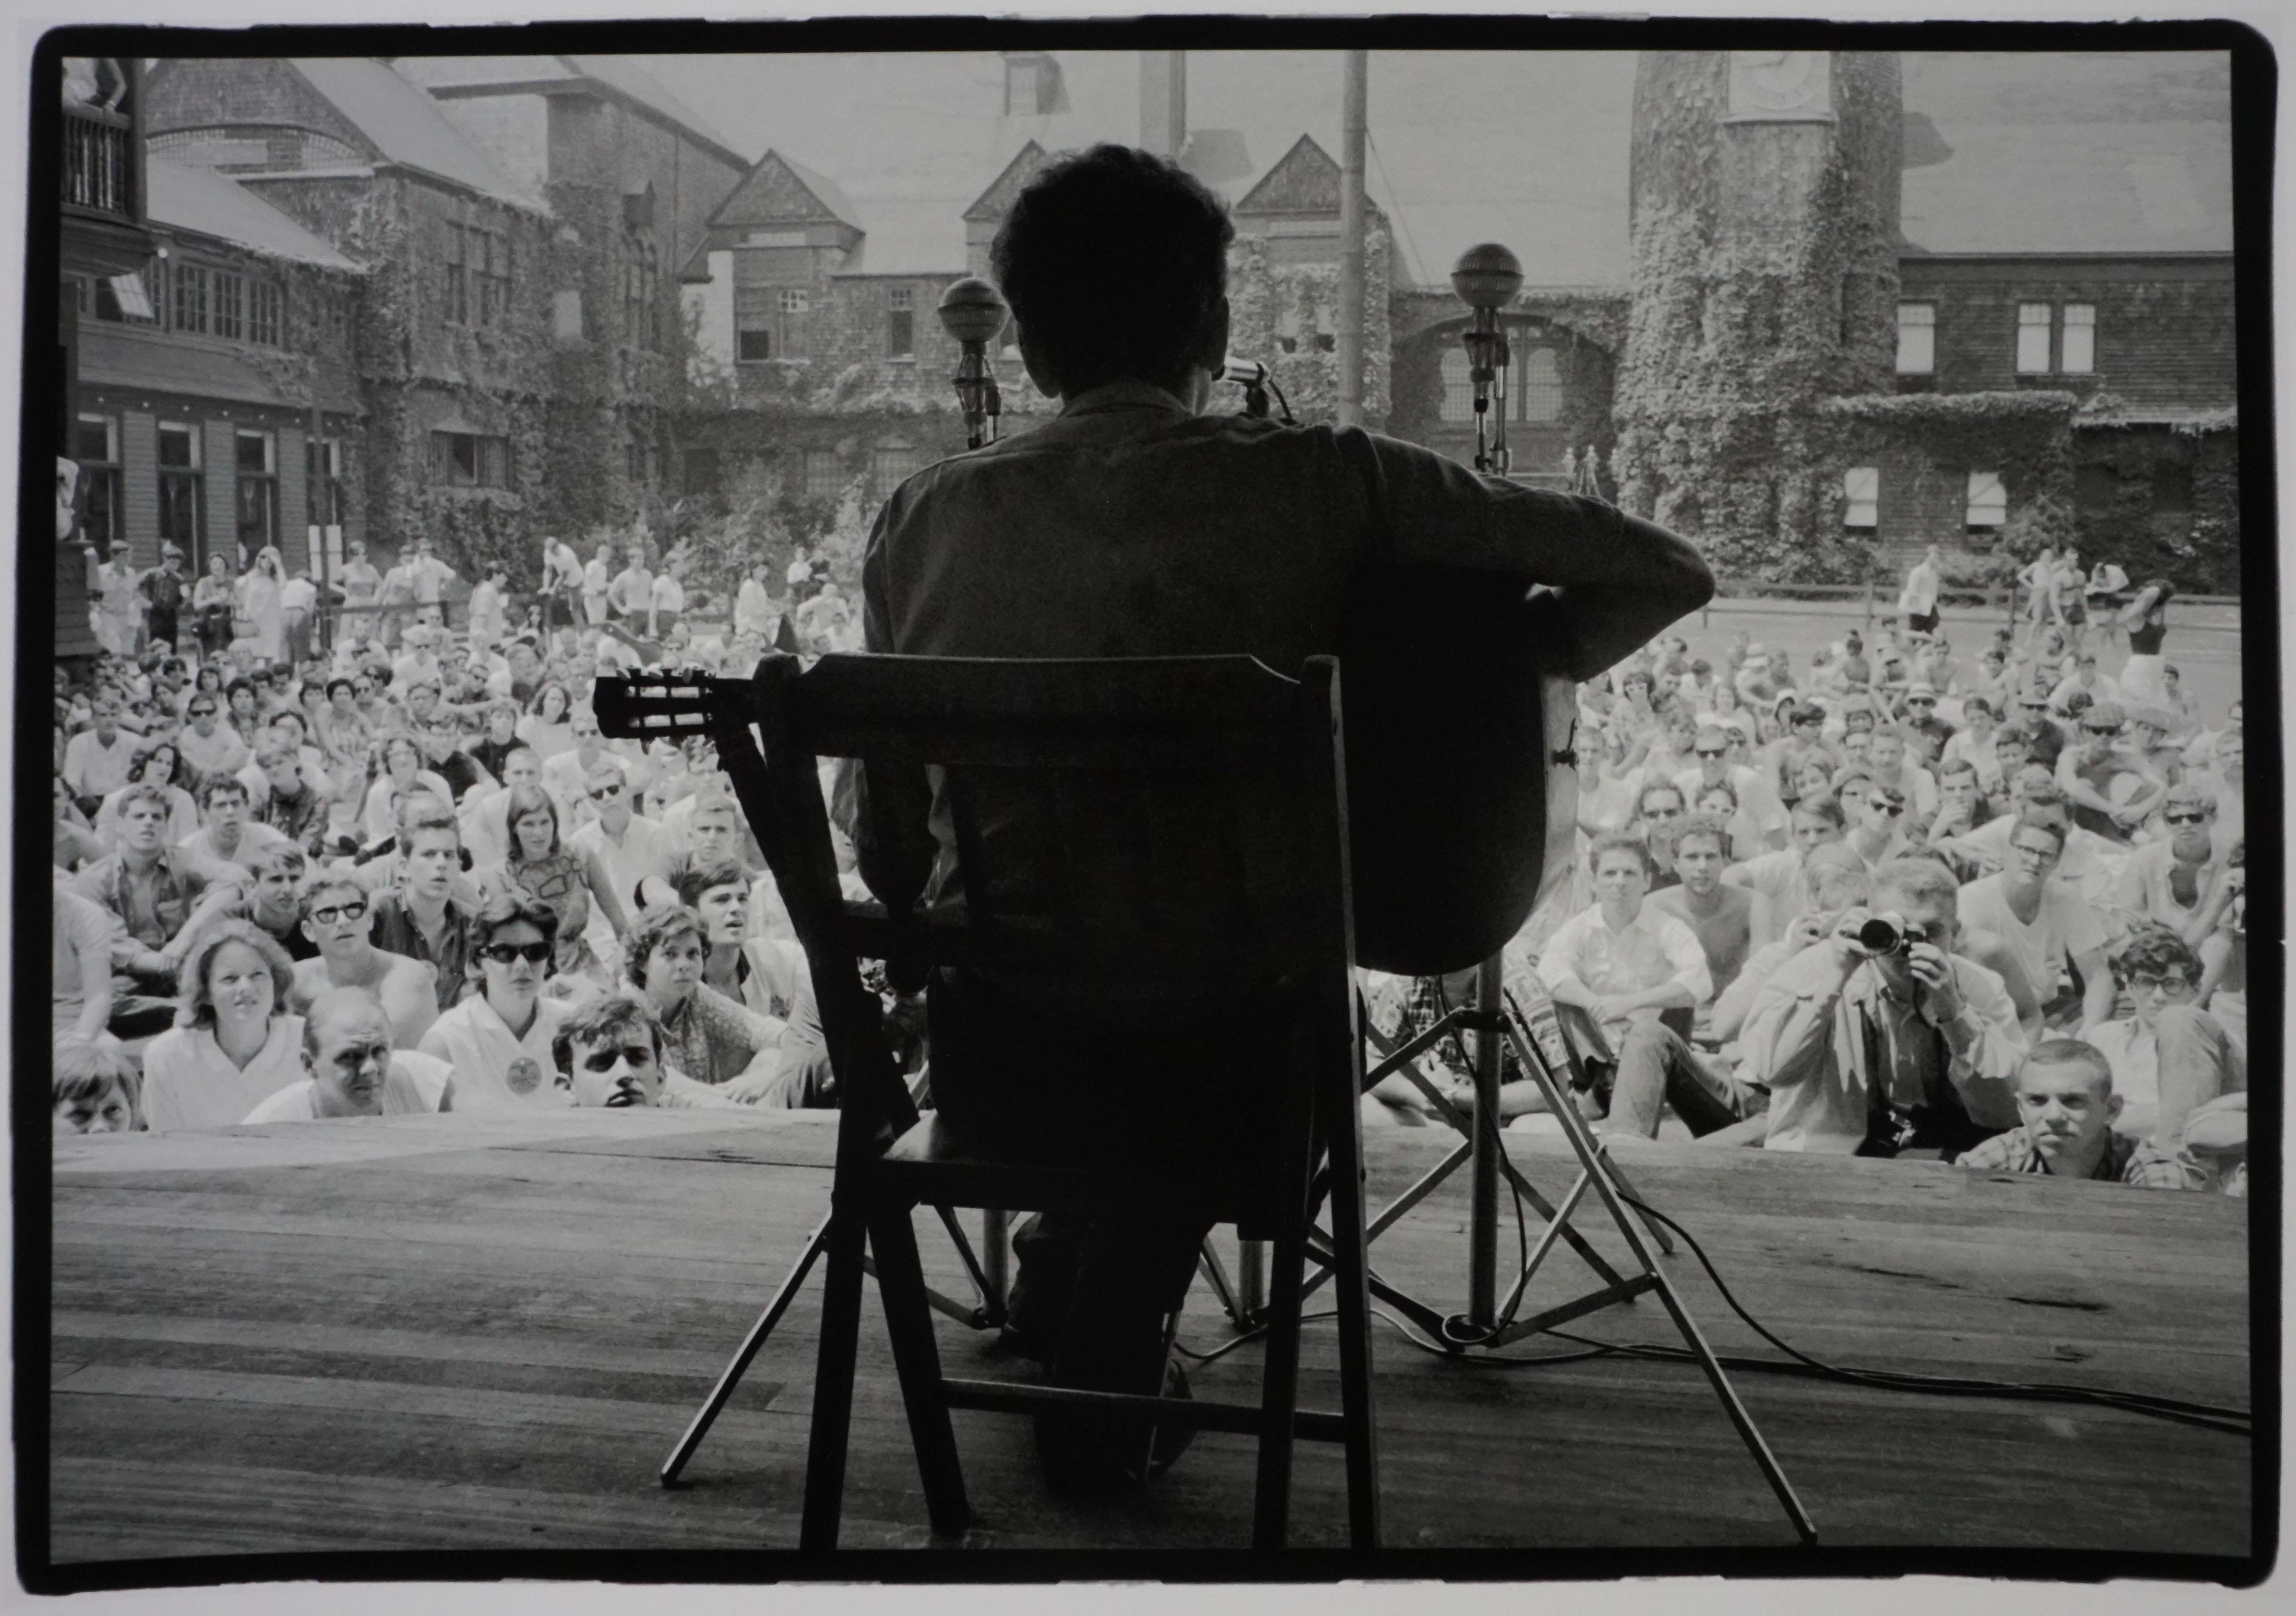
column 643, row 706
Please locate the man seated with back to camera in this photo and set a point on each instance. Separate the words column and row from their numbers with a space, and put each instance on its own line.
column 1876, row 1045
column 1136, row 524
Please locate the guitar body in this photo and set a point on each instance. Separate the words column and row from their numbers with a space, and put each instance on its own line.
column 1458, row 810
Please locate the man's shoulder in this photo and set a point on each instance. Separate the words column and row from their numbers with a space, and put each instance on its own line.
column 2011, row 1153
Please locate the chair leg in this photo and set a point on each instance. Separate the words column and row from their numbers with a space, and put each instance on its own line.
column 1351, row 1280
column 832, row 1383
column 1279, row 1394
column 908, row 1321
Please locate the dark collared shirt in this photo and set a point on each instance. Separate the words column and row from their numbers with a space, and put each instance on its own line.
column 394, row 931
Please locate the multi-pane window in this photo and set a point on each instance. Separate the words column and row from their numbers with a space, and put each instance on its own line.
column 891, row 467
column 228, row 304
column 95, row 446
column 116, row 300
column 183, row 507
column 1916, row 339
column 641, row 292
column 2078, row 344
column 825, row 474
column 1988, row 501
column 1533, row 381
column 265, row 319
column 256, row 455
column 323, row 463
column 1861, row 497
column 474, row 277
column 2032, row 339
column 901, row 323
column 469, row 460
column 190, row 313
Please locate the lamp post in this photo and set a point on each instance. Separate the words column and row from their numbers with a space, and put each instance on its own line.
column 974, row 312
column 1487, row 278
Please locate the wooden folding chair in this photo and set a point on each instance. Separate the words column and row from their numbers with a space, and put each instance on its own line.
column 1109, row 753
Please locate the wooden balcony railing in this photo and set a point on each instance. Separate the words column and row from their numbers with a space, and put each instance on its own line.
column 99, row 162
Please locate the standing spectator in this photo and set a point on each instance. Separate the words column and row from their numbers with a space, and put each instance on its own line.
column 427, row 579
column 498, row 1039
column 259, row 603
column 753, row 604
column 299, row 603
column 2045, row 925
column 419, row 917
column 163, row 590
column 233, row 1044
column 362, row 585
column 1620, row 964
column 630, row 596
column 396, row 601
column 211, row 599
column 1877, row 1054
column 1917, row 602
column 597, row 581
column 667, row 602
column 487, row 612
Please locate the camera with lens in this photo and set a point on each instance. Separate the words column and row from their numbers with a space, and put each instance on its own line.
column 1887, row 934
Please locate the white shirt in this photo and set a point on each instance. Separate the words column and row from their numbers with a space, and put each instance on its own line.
column 412, row 1085
column 486, row 613
column 1778, row 877
column 753, row 609
column 1920, row 595
column 258, row 784
column 1654, row 947
column 297, row 595
column 1757, row 796
column 2063, row 926
column 567, row 778
column 495, row 1069
column 486, row 826
column 645, row 850
column 2134, row 1054
column 189, row 1082
column 93, row 770
column 428, row 576
column 221, row 752
column 669, row 594
column 594, row 580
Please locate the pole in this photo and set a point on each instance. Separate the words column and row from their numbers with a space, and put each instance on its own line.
column 1483, row 1189
column 315, row 461
column 1354, row 91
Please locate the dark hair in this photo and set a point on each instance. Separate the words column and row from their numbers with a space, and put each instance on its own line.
column 508, row 908
column 2154, row 950
column 1621, row 841
column 1821, row 805
column 2040, row 818
column 1114, row 262
column 707, row 873
column 1705, row 824
column 220, row 784
column 655, row 928
column 601, row 1018
column 525, row 801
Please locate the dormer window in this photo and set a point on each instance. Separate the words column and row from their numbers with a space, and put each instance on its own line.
column 1033, row 86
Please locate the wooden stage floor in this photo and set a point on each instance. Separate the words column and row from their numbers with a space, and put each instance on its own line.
column 425, row 1333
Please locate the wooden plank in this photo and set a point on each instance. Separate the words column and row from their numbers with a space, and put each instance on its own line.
column 274, row 1336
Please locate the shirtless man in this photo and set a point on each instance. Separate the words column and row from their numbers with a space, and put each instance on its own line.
column 1728, row 920
column 336, row 916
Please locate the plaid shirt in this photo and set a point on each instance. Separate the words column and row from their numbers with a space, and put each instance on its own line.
column 2125, row 1161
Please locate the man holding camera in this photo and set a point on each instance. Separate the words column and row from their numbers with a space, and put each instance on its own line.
column 1882, row 1039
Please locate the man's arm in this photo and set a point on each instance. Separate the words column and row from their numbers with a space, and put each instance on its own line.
column 2098, row 990
column 1619, row 580
column 1788, row 1034
column 1986, row 1046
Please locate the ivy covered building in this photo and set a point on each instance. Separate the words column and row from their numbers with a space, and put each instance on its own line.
column 513, row 344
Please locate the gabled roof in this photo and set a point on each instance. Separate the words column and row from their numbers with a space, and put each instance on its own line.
column 1304, row 180
column 620, row 77
column 214, row 205
column 405, row 127
column 994, row 203
column 779, row 190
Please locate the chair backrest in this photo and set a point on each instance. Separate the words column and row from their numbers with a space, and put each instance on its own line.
column 1121, row 830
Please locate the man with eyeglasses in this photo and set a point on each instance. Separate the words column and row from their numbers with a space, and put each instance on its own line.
column 2045, row 924
column 2111, row 793
column 1875, row 813
column 1923, row 724
column 338, row 915
column 2169, row 1056
column 420, row 916
column 1659, row 810
column 610, row 1052
column 1883, row 1051
column 1757, row 796
column 499, row 1038
column 440, row 736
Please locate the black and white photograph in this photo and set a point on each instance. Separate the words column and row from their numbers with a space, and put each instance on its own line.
column 1425, row 800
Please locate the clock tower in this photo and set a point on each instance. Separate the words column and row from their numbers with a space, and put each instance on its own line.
column 1764, row 206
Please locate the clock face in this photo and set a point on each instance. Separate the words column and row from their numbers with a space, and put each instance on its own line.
column 1778, row 82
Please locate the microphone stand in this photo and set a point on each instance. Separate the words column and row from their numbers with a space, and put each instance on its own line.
column 974, row 312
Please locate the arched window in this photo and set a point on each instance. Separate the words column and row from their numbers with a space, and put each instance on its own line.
column 1534, row 383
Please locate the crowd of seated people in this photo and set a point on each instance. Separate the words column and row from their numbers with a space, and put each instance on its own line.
column 2061, row 986
column 293, row 883
column 365, row 883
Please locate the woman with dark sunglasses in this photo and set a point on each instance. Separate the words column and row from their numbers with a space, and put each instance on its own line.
column 498, row 1038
